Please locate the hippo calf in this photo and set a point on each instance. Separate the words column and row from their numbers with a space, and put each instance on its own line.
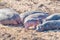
column 34, row 20
column 9, row 16
column 31, row 23
column 48, row 25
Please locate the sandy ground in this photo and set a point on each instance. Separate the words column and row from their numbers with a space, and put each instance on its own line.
column 18, row 33
column 21, row 6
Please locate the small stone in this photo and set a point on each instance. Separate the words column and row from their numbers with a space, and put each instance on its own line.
column 7, row 35
column 12, row 38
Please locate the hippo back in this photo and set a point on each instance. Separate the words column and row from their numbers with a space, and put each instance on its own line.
column 49, row 25
column 7, row 13
column 55, row 16
column 37, row 16
column 24, row 15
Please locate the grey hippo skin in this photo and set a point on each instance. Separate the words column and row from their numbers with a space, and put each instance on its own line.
column 24, row 15
column 48, row 25
column 9, row 16
column 55, row 16
column 34, row 19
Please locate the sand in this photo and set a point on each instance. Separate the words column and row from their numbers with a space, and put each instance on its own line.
column 21, row 6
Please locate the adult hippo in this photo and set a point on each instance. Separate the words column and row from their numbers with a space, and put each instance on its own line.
column 24, row 15
column 34, row 20
column 48, row 25
column 9, row 16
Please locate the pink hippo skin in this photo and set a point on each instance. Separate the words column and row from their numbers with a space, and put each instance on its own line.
column 31, row 23
column 8, row 22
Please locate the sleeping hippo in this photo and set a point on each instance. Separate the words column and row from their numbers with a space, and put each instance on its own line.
column 30, row 23
column 24, row 15
column 48, row 25
column 55, row 16
column 9, row 16
column 34, row 20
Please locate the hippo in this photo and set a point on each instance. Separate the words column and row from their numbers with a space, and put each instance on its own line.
column 55, row 16
column 9, row 16
column 31, row 23
column 48, row 25
column 34, row 20
column 24, row 15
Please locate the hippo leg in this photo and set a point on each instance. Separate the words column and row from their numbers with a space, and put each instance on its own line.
column 26, row 25
column 36, row 23
column 33, row 23
column 18, row 20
